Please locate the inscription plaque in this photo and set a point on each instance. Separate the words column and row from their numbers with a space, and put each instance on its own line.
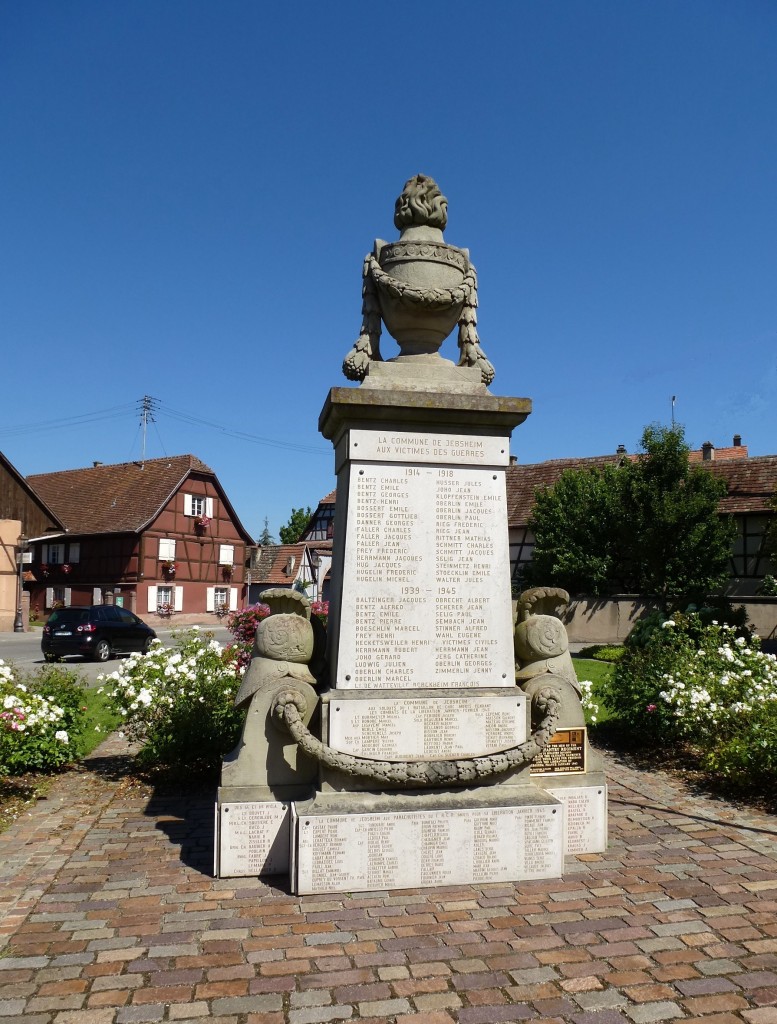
column 430, row 728
column 564, row 755
column 397, row 850
column 253, row 839
column 585, row 818
column 446, row 449
column 426, row 579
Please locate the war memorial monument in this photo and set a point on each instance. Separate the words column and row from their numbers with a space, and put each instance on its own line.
column 434, row 734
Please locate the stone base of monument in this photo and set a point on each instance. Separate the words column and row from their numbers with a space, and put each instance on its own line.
column 347, row 843
column 253, row 838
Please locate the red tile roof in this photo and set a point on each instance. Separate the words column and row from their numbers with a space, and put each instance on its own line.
column 272, row 563
column 751, row 481
column 120, row 498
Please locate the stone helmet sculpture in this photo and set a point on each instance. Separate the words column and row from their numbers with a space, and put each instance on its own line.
column 540, row 639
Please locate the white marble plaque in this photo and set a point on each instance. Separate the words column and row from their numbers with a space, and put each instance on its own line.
column 585, row 818
column 427, row 728
column 253, row 839
column 363, row 852
column 426, row 579
column 441, row 449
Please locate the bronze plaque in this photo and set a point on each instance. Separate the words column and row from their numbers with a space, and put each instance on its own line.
column 564, row 755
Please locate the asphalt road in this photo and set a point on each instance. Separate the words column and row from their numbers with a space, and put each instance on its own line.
column 23, row 649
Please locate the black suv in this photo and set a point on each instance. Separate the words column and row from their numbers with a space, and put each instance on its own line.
column 96, row 631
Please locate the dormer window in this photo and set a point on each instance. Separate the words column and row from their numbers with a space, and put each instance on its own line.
column 290, row 563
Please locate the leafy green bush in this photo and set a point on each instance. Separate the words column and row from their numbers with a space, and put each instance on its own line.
column 707, row 683
column 602, row 652
column 179, row 702
column 41, row 719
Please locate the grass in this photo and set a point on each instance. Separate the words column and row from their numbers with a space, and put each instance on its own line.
column 598, row 673
column 100, row 721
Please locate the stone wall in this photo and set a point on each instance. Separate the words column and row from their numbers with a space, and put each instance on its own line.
column 593, row 620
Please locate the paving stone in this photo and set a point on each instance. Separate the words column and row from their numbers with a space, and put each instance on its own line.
column 320, row 1014
column 648, row 1013
column 602, row 999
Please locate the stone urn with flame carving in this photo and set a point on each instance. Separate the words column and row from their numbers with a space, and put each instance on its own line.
column 420, row 287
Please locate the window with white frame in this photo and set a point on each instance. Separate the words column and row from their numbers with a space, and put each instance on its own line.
column 220, row 598
column 226, row 554
column 166, row 549
column 164, row 597
column 58, row 596
column 53, row 554
column 197, row 505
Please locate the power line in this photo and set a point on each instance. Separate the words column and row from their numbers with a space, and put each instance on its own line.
column 149, row 409
column 198, row 421
column 48, row 426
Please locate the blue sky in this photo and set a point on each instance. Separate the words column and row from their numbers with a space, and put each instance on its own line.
column 188, row 188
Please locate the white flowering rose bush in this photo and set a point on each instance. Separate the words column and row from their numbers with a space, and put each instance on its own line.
column 589, row 704
column 708, row 684
column 41, row 719
column 178, row 702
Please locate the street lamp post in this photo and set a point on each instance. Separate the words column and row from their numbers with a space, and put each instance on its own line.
column 18, row 624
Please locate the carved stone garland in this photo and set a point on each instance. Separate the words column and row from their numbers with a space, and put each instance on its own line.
column 290, row 705
column 367, row 347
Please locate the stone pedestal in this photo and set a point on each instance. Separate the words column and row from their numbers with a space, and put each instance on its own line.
column 421, row 649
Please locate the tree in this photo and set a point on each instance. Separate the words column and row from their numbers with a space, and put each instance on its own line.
column 576, row 545
column 650, row 526
column 298, row 521
column 266, row 537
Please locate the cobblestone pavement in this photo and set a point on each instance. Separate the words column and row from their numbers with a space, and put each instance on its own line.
column 110, row 915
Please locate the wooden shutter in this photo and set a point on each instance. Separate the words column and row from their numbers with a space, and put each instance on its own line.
column 75, row 551
column 97, row 595
column 49, row 595
column 152, row 599
column 166, row 548
column 68, row 591
column 209, row 507
column 178, row 598
column 187, row 505
column 210, row 599
column 233, row 599
column 44, row 552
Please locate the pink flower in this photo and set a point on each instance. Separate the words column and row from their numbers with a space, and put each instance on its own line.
column 651, row 707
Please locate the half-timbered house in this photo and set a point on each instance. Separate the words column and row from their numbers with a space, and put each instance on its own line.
column 159, row 537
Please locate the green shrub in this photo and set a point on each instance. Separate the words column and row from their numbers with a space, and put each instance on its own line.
column 602, row 652
column 707, row 683
column 41, row 719
column 179, row 702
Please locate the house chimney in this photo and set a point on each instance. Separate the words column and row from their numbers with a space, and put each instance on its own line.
column 96, row 463
column 621, row 449
column 513, row 460
column 737, row 440
column 708, row 451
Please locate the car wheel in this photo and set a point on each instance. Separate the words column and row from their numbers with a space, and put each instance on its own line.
column 146, row 645
column 102, row 650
